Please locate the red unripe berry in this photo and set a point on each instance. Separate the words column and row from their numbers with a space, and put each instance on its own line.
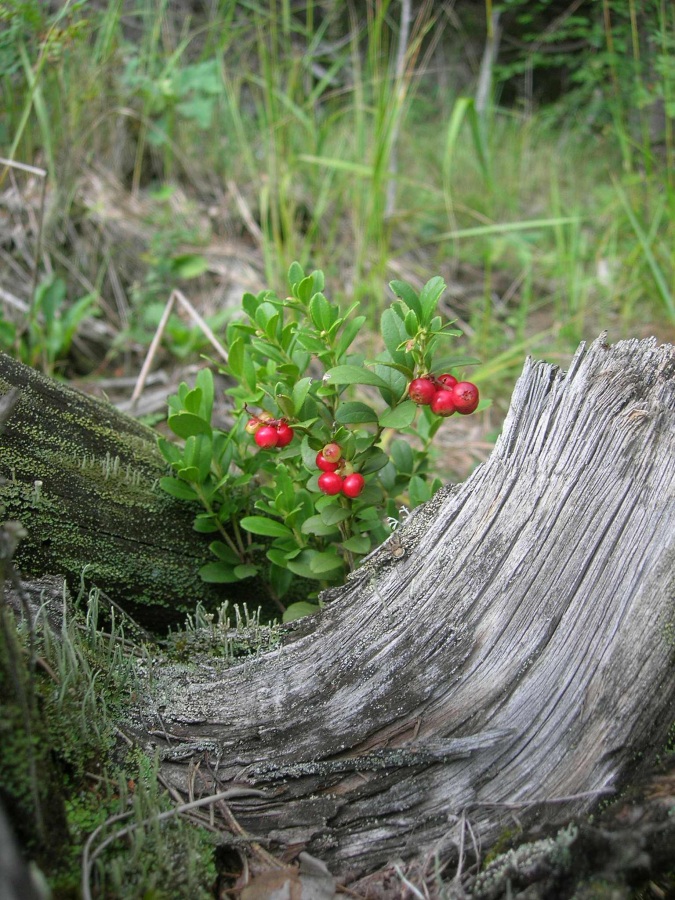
column 330, row 483
column 284, row 434
column 353, row 485
column 447, row 380
column 266, row 436
column 421, row 391
column 465, row 395
column 323, row 464
column 253, row 425
column 443, row 403
column 332, row 452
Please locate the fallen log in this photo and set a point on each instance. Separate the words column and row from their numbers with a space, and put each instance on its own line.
column 82, row 478
column 512, row 649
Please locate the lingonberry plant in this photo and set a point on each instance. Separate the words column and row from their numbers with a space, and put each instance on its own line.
column 304, row 481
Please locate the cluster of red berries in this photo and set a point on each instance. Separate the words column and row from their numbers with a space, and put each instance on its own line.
column 444, row 395
column 337, row 474
column 269, row 432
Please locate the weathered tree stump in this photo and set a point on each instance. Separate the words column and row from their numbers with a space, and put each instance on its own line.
column 515, row 649
column 82, row 478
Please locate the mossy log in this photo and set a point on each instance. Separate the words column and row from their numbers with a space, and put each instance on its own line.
column 512, row 656
column 82, row 479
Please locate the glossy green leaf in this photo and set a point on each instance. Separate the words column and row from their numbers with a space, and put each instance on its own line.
column 316, row 525
column 429, row 296
column 399, row 417
column 299, row 610
column 217, row 573
column 334, row 513
column 179, row 489
column 245, row 571
column 409, row 296
column 263, row 525
column 185, row 424
column 224, row 552
column 358, row 543
column 339, row 375
column 355, row 413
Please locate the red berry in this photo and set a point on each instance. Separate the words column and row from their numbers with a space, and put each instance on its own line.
column 443, row 403
column 330, row 483
column 447, row 380
column 332, row 452
column 465, row 395
column 266, row 436
column 284, row 434
column 353, row 484
column 421, row 391
column 323, row 464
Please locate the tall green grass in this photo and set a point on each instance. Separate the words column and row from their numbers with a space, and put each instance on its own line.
column 304, row 109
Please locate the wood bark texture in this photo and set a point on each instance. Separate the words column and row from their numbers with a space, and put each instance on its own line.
column 513, row 651
column 82, row 479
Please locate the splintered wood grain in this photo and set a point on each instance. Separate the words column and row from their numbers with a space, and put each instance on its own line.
column 531, row 614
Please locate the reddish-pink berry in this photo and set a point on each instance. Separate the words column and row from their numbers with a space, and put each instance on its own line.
column 266, row 436
column 447, row 380
column 323, row 464
column 332, row 452
column 465, row 396
column 353, row 485
column 284, row 434
column 443, row 403
column 330, row 483
column 421, row 391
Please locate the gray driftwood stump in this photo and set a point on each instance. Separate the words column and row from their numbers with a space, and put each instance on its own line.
column 514, row 650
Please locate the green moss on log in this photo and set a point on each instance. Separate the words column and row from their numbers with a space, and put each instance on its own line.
column 83, row 478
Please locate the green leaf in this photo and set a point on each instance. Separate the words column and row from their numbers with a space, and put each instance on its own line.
column 205, row 523
column 399, row 417
column 354, row 375
column 419, row 491
column 198, row 452
column 295, row 274
column 334, row 513
column 300, row 391
column 188, row 265
column 394, row 334
column 185, row 424
column 204, row 383
column 447, row 363
column 359, row 543
column 169, row 451
column 395, row 383
column 224, row 553
column 299, row 610
column 316, row 565
column 407, row 293
column 245, row 571
column 235, row 357
column 349, row 332
column 177, row 488
column 263, row 525
column 402, row 455
column 324, row 561
column 316, row 525
column 429, row 296
column 411, row 323
column 355, row 413
column 217, row 573
column 193, row 400
column 376, row 460
column 323, row 315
